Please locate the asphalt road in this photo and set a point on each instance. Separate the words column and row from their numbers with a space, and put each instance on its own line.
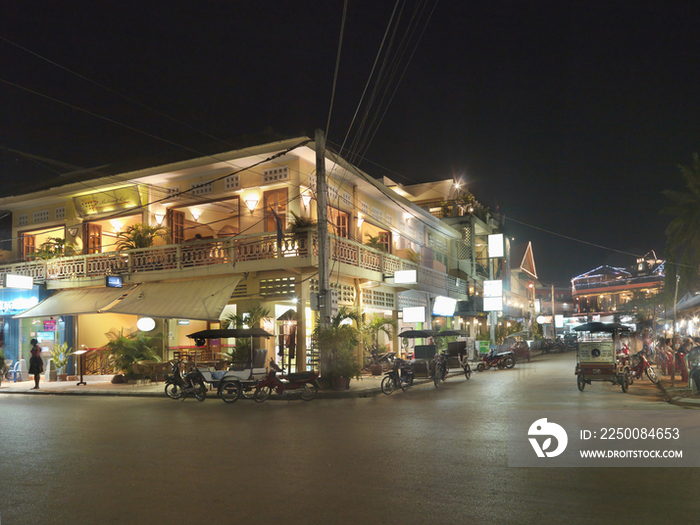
column 427, row 456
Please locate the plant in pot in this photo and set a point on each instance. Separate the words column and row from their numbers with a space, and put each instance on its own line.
column 338, row 343
column 370, row 329
column 60, row 355
column 124, row 350
column 250, row 318
column 139, row 236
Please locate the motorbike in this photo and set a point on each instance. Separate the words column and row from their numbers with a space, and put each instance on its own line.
column 179, row 386
column 440, row 368
column 400, row 376
column 302, row 384
column 373, row 357
column 639, row 365
column 500, row 361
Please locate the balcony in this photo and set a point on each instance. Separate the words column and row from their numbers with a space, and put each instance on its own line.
column 254, row 252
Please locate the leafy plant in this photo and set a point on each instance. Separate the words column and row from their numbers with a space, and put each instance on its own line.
column 250, row 318
column 373, row 325
column 60, row 355
column 54, row 247
column 375, row 242
column 299, row 223
column 338, row 343
column 412, row 256
column 139, row 236
column 123, row 350
column 3, row 367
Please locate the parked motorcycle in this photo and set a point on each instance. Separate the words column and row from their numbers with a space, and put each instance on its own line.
column 400, row 376
column 373, row 357
column 639, row 366
column 179, row 386
column 302, row 384
column 500, row 361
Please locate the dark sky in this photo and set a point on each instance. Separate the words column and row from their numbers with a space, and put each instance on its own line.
column 568, row 116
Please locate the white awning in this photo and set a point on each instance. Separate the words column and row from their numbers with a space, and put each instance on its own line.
column 202, row 299
column 76, row 301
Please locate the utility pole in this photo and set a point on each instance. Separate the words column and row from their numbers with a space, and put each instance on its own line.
column 675, row 302
column 322, row 212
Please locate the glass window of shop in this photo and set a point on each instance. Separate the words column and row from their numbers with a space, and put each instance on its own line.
column 210, row 220
column 44, row 242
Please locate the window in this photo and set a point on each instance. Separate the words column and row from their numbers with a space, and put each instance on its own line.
column 28, row 245
column 93, row 234
column 340, row 221
column 176, row 223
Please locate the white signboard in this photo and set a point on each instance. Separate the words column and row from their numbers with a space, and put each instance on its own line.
column 405, row 277
column 496, row 245
column 414, row 314
column 493, row 288
column 493, row 304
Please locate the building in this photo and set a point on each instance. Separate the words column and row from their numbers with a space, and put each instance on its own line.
column 235, row 235
column 600, row 294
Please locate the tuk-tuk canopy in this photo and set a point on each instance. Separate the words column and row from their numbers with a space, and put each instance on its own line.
column 599, row 327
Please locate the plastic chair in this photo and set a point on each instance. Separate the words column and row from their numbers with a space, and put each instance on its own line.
column 16, row 372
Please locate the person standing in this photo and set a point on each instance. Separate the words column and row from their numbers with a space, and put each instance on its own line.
column 36, row 365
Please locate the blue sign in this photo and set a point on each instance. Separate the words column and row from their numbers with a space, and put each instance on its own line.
column 114, row 281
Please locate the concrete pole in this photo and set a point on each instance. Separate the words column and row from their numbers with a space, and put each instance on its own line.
column 554, row 323
column 322, row 212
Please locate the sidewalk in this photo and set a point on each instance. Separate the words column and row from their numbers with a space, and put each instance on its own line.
column 368, row 386
column 679, row 393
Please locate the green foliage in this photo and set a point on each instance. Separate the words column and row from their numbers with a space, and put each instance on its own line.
column 503, row 331
column 59, row 356
column 441, row 342
column 54, row 247
column 139, row 236
column 338, row 344
column 375, row 242
column 539, row 331
column 299, row 223
column 3, row 367
column 412, row 256
column 250, row 318
column 124, row 350
column 373, row 325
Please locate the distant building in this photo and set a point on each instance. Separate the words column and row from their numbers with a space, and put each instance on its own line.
column 603, row 290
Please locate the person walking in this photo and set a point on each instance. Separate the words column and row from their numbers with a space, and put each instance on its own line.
column 36, row 365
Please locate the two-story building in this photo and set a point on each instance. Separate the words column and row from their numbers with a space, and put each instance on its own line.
column 230, row 241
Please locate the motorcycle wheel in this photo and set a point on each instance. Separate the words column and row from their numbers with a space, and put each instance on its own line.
column 200, row 392
column 406, row 384
column 651, row 374
column 625, row 382
column 388, row 385
column 480, row 367
column 436, row 376
column 581, row 383
column 501, row 364
column 467, row 371
column 509, row 361
column 173, row 391
column 309, row 392
column 261, row 394
column 230, row 391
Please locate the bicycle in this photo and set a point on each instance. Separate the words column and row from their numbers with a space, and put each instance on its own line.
column 400, row 376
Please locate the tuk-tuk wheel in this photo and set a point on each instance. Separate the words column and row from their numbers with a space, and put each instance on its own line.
column 581, row 382
column 480, row 367
column 625, row 383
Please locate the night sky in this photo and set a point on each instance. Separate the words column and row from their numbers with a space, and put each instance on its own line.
column 566, row 116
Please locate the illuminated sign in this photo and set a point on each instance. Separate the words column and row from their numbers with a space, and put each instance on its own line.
column 405, row 277
column 106, row 201
column 444, row 306
column 496, row 245
column 493, row 304
column 413, row 314
column 113, row 281
column 20, row 282
column 493, row 296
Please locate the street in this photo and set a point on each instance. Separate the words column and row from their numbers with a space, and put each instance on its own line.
column 426, row 456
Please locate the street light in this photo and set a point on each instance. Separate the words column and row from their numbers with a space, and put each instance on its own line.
column 81, row 363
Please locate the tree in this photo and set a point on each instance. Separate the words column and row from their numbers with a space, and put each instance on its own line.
column 683, row 232
column 55, row 247
column 373, row 325
column 338, row 343
column 250, row 318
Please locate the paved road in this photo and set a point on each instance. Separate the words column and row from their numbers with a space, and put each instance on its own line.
column 428, row 456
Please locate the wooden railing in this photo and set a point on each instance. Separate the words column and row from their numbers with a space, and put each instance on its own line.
column 242, row 248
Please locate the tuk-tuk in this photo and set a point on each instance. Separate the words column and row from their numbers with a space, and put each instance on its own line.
column 596, row 357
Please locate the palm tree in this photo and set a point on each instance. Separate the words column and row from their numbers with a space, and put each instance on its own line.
column 372, row 326
column 250, row 318
column 683, row 233
column 139, row 236
column 338, row 342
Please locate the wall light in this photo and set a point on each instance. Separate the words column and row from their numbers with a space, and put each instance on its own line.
column 305, row 199
column 73, row 231
column 196, row 213
column 159, row 218
column 360, row 220
column 251, row 203
column 117, row 225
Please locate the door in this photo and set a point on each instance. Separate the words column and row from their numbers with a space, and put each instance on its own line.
column 275, row 201
column 176, row 224
column 92, row 233
column 27, row 245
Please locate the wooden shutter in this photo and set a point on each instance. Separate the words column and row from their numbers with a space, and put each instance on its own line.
column 176, row 223
column 28, row 245
column 275, row 200
column 92, row 235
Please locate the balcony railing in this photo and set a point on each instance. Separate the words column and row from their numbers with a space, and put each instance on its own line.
column 228, row 251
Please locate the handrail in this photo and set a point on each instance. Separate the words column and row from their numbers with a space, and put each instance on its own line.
column 229, row 250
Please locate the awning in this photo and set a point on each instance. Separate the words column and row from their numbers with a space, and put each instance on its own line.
column 76, row 301
column 202, row 299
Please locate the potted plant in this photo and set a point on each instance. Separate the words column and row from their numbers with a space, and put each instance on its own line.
column 3, row 367
column 250, row 318
column 375, row 242
column 370, row 336
column 139, row 236
column 59, row 356
column 124, row 350
column 338, row 344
